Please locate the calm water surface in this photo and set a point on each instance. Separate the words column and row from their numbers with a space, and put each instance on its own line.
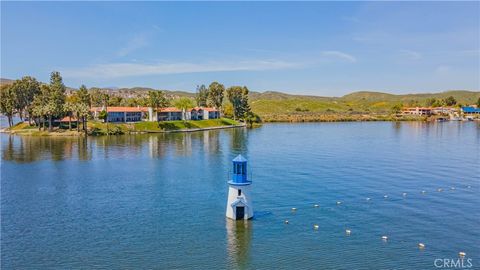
column 158, row 201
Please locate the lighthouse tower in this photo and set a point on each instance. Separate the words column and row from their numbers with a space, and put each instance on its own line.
column 239, row 203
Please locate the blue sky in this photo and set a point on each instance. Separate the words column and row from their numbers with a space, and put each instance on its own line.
column 321, row 48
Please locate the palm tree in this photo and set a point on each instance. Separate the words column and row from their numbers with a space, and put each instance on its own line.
column 184, row 104
column 69, row 108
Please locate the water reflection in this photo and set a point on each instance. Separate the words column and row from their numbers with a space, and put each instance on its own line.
column 239, row 140
column 239, row 234
column 29, row 149
column 25, row 149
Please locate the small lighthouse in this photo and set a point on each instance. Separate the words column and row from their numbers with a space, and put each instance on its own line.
column 239, row 203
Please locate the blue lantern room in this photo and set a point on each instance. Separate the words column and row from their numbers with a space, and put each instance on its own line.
column 239, row 176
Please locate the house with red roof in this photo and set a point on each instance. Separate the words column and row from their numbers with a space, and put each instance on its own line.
column 137, row 114
column 121, row 114
column 172, row 114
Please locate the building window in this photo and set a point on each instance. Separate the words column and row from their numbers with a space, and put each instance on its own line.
column 239, row 192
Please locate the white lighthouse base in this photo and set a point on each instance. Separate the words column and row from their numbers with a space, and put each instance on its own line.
column 239, row 203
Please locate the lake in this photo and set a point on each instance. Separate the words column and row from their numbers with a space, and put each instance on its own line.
column 158, row 201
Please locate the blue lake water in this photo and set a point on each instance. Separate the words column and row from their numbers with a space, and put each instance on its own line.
column 158, row 201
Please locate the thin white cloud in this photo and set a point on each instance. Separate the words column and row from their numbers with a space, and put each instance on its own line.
column 411, row 55
column 117, row 70
column 340, row 55
column 137, row 42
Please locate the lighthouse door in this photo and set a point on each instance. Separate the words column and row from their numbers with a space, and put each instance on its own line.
column 240, row 212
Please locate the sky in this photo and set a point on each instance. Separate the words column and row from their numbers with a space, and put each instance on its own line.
column 319, row 48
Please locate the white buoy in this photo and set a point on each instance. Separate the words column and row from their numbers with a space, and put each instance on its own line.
column 316, row 205
column 385, row 196
column 294, row 209
column 404, row 194
column 348, row 232
column 339, row 202
column 368, row 199
column 462, row 254
column 423, row 192
column 439, row 190
column 286, row 221
column 421, row 245
column 315, row 227
column 384, row 238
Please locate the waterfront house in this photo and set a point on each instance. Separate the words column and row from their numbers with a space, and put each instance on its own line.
column 470, row 110
column 167, row 114
column 172, row 114
column 121, row 114
column 443, row 110
column 417, row 111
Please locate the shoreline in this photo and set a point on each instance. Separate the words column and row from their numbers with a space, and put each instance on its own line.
column 74, row 133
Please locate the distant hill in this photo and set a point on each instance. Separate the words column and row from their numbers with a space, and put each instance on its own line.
column 5, row 81
column 274, row 104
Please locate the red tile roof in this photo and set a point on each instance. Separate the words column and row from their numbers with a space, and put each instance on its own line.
column 210, row 109
column 169, row 109
column 120, row 109
column 174, row 109
column 145, row 109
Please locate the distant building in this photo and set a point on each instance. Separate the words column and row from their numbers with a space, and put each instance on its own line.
column 168, row 114
column 137, row 114
column 121, row 114
column 172, row 114
column 443, row 110
column 470, row 110
column 417, row 111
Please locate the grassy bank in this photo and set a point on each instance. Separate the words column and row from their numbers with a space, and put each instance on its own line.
column 96, row 128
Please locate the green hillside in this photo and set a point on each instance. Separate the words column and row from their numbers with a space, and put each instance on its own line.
column 273, row 106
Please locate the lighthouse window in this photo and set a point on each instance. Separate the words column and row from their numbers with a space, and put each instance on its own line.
column 239, row 192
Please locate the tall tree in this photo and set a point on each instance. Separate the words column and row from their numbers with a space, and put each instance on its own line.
column 56, row 98
column 184, row 104
column 84, row 96
column 40, row 106
column 157, row 99
column 97, row 97
column 115, row 101
column 450, row 101
column 397, row 108
column 82, row 110
column 215, row 95
column 25, row 91
column 201, row 95
column 430, row 102
column 83, row 106
column 7, row 102
column 70, row 108
column 478, row 103
column 238, row 96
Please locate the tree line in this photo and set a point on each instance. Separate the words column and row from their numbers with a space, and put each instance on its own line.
column 235, row 106
column 42, row 103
